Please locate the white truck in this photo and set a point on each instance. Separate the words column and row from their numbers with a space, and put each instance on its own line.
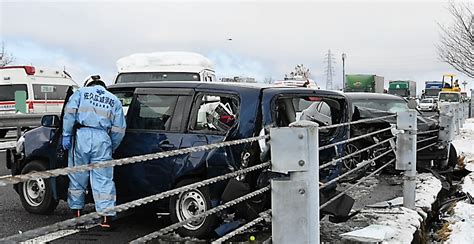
column 164, row 66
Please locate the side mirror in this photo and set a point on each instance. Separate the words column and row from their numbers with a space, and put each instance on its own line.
column 50, row 121
column 412, row 104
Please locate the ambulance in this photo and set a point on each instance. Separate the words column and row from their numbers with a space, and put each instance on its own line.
column 45, row 89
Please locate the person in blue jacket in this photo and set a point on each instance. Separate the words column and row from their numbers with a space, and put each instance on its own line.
column 93, row 127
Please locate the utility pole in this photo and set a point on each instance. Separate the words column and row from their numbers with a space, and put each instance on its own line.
column 329, row 60
column 344, row 56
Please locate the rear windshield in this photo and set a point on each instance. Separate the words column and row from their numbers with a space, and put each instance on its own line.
column 7, row 92
column 50, row 92
column 426, row 101
column 157, row 76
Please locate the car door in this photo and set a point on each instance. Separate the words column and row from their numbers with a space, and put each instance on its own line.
column 155, row 123
column 213, row 117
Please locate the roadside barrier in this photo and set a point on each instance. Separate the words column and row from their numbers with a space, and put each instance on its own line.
column 295, row 160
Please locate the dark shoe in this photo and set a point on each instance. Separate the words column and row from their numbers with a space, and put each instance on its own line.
column 76, row 213
column 106, row 223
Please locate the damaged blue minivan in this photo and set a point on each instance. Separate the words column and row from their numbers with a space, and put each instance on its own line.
column 164, row 116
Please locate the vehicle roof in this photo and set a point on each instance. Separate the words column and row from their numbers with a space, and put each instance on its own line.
column 369, row 95
column 164, row 62
column 218, row 85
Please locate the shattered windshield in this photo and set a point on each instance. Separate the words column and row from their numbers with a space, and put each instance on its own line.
column 389, row 105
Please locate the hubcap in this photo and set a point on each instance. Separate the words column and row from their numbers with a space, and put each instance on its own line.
column 352, row 162
column 34, row 191
column 190, row 204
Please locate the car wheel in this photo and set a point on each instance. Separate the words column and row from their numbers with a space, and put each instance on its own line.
column 36, row 195
column 352, row 162
column 189, row 204
column 3, row 133
column 452, row 157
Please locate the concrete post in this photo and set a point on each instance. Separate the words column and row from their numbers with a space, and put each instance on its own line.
column 446, row 130
column 406, row 154
column 295, row 199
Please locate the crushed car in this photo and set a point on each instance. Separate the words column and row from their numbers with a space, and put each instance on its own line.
column 373, row 105
column 164, row 116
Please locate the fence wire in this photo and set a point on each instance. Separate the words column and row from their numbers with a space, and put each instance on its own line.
column 215, row 210
column 354, row 138
column 356, row 184
column 427, row 139
column 333, row 162
column 122, row 207
column 357, row 122
column 425, row 147
column 116, row 162
column 359, row 167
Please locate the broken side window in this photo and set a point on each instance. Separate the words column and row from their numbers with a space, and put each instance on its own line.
column 215, row 113
column 322, row 110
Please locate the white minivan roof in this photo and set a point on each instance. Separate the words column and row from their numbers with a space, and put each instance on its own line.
column 165, row 62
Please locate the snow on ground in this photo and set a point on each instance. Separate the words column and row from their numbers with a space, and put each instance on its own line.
column 427, row 189
column 462, row 219
column 464, row 143
column 402, row 222
column 462, row 224
column 468, row 184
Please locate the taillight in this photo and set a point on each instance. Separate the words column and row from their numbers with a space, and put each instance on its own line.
column 30, row 107
column 30, row 70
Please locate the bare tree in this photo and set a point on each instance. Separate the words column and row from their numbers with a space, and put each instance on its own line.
column 457, row 39
column 268, row 80
column 300, row 72
column 5, row 58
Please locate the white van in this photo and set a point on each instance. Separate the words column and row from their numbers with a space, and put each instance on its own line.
column 45, row 88
column 164, row 66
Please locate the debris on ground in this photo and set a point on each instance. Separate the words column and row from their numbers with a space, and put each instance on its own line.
column 459, row 217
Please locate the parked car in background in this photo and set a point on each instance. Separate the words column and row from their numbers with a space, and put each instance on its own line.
column 165, row 116
column 45, row 89
column 428, row 104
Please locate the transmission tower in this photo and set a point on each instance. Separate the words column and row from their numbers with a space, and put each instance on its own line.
column 329, row 60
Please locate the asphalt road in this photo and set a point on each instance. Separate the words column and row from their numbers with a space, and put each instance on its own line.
column 14, row 219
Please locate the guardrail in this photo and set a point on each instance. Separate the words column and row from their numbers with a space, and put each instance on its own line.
column 295, row 154
column 19, row 121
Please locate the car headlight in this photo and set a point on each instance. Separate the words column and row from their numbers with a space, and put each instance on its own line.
column 20, row 145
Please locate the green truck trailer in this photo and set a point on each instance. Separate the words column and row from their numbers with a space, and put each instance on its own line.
column 403, row 88
column 364, row 83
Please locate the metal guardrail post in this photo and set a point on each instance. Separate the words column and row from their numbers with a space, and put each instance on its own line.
column 406, row 154
column 446, row 131
column 295, row 199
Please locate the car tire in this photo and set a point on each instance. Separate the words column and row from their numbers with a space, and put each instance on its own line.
column 190, row 203
column 36, row 195
column 452, row 157
column 3, row 133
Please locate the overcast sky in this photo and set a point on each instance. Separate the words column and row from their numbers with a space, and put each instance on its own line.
column 396, row 40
